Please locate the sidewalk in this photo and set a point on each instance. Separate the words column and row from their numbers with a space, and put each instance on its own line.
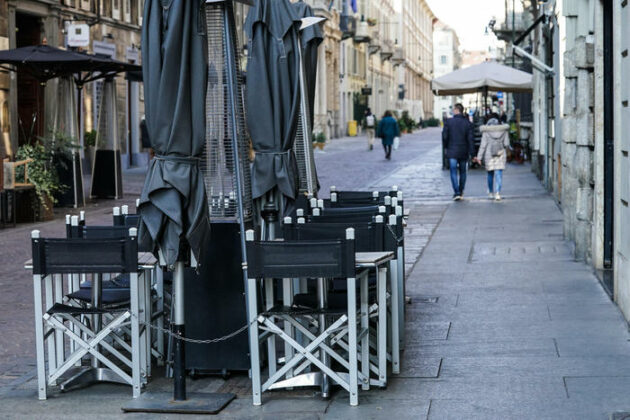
column 502, row 324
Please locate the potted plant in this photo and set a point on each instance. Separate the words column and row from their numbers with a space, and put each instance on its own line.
column 319, row 140
column 43, row 172
column 402, row 125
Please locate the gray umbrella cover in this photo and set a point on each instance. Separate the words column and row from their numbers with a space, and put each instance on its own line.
column 273, row 95
column 173, row 202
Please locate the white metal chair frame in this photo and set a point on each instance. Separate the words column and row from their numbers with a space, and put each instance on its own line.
column 50, row 328
column 319, row 347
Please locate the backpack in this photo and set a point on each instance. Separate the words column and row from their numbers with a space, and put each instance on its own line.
column 369, row 120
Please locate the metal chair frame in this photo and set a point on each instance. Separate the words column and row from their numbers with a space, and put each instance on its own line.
column 265, row 262
column 49, row 267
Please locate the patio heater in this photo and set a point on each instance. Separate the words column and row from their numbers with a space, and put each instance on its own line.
column 225, row 170
column 67, row 123
column 106, row 170
column 227, row 178
column 303, row 146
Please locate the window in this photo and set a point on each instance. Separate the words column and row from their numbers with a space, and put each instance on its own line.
column 127, row 10
column 116, row 9
column 443, row 59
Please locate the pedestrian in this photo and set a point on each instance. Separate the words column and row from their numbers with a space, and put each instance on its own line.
column 457, row 140
column 387, row 130
column 494, row 141
column 369, row 125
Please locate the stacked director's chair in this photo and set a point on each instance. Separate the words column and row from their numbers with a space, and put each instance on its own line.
column 370, row 236
column 364, row 212
column 325, row 259
column 394, row 204
column 97, row 349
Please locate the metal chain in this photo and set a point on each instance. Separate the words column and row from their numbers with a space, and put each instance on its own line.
column 199, row 341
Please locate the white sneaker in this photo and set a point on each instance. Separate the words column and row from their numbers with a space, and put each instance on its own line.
column 490, row 195
column 497, row 197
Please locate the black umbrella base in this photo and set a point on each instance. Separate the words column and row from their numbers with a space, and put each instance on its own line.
column 162, row 402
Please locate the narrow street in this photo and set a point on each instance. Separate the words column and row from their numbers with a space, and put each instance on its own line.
column 503, row 323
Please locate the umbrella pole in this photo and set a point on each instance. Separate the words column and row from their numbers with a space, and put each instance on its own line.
column 179, row 356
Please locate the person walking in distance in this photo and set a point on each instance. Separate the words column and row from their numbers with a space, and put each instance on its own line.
column 387, row 130
column 369, row 125
column 494, row 141
column 457, row 139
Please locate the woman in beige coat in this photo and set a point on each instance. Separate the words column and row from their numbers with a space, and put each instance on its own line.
column 494, row 140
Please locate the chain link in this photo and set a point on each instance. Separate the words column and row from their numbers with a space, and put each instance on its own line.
column 199, row 341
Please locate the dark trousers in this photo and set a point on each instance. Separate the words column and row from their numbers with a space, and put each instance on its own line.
column 388, row 150
column 458, row 185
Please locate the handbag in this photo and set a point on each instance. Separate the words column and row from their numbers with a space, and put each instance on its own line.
column 496, row 148
column 396, row 142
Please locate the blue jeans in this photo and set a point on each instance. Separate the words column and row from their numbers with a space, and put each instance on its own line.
column 454, row 164
column 496, row 178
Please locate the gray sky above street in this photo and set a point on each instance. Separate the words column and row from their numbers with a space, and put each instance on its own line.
column 469, row 19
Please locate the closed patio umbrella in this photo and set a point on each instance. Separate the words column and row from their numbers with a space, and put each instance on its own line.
column 173, row 202
column 273, row 101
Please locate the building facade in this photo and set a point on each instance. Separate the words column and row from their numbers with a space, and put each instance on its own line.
column 29, row 109
column 446, row 58
column 581, row 129
column 416, row 51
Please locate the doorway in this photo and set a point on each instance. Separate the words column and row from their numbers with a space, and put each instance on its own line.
column 30, row 93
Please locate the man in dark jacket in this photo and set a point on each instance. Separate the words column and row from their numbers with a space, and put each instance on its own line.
column 457, row 139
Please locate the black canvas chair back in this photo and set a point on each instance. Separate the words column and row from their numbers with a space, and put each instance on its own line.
column 342, row 218
column 74, row 225
column 127, row 220
column 352, row 210
column 368, row 235
column 79, row 255
column 292, row 259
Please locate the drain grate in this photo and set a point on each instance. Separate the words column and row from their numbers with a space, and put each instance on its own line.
column 426, row 299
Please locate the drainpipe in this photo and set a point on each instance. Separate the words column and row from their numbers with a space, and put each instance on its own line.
column 609, row 140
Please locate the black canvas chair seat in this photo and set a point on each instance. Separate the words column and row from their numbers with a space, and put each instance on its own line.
column 60, row 308
column 109, row 297
column 121, row 281
column 336, row 300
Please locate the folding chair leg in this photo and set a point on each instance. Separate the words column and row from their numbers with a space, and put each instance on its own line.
column 252, row 306
column 322, row 295
column 401, row 296
column 382, row 324
column 39, row 337
column 135, row 334
column 59, row 340
column 52, row 348
column 365, row 340
column 352, row 342
column 395, row 344
column 287, row 300
column 159, row 287
column 271, row 342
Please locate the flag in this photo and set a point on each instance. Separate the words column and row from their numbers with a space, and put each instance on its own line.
column 353, row 5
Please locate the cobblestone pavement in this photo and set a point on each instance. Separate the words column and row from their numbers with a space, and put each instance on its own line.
column 502, row 322
column 345, row 162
